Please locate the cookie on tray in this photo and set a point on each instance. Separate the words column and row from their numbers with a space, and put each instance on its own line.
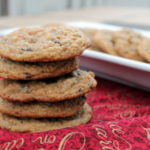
column 30, row 71
column 90, row 33
column 144, row 49
column 42, row 109
column 65, row 87
column 41, row 44
column 126, row 44
column 104, row 41
column 39, row 125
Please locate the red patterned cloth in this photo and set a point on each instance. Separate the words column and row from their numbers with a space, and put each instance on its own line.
column 121, row 121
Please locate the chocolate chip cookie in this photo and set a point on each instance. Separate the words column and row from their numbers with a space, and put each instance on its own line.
column 41, row 44
column 104, row 41
column 39, row 125
column 126, row 44
column 31, row 71
column 65, row 87
column 42, row 109
column 144, row 49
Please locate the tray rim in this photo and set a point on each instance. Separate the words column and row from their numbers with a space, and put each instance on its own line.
column 107, row 57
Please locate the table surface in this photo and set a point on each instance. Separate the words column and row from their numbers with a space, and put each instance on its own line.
column 137, row 17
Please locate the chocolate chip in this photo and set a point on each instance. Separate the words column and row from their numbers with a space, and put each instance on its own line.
column 78, row 73
column 29, row 49
column 80, row 90
column 57, row 42
column 28, row 75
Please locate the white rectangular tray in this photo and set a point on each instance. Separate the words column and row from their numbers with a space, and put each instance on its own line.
column 115, row 68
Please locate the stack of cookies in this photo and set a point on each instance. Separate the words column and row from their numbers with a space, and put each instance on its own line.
column 43, row 89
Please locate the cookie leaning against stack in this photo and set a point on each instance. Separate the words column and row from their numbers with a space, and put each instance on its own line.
column 43, row 88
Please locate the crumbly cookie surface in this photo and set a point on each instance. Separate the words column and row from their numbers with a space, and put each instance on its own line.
column 144, row 49
column 40, row 125
column 42, row 110
column 40, row 44
column 126, row 44
column 30, row 71
column 104, row 41
column 65, row 87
